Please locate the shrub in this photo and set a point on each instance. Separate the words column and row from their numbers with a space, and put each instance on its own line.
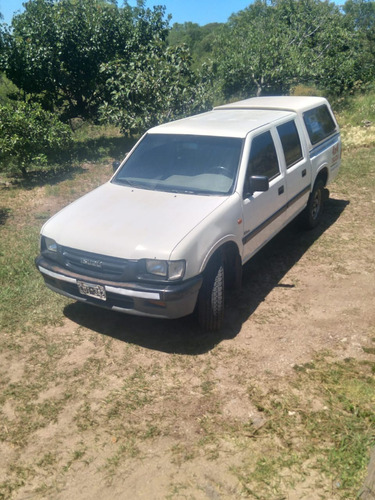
column 32, row 140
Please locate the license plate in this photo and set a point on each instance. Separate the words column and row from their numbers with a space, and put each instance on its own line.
column 96, row 291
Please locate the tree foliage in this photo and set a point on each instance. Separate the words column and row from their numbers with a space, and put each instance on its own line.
column 362, row 14
column 3, row 38
column 199, row 39
column 251, row 57
column 57, row 48
column 269, row 47
column 93, row 59
column 152, row 88
column 31, row 139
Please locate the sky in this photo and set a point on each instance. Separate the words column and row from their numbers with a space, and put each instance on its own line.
column 197, row 11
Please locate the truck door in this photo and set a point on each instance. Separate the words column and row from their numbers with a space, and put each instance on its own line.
column 264, row 213
column 298, row 169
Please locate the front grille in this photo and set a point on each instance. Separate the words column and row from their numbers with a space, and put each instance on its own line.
column 98, row 266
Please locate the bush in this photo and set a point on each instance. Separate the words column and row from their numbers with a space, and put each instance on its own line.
column 32, row 140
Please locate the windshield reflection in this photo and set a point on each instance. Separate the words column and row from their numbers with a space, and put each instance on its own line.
column 183, row 164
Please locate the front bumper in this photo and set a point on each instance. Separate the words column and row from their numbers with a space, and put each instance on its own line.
column 158, row 300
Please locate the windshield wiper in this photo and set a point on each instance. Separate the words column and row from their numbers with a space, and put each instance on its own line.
column 137, row 185
column 182, row 191
column 126, row 182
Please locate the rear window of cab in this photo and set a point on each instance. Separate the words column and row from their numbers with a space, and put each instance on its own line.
column 319, row 123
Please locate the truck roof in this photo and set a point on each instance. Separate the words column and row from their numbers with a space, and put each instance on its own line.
column 222, row 123
column 239, row 118
column 281, row 103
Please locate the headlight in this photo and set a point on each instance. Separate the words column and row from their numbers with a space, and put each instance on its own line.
column 157, row 267
column 176, row 269
column 168, row 269
column 50, row 244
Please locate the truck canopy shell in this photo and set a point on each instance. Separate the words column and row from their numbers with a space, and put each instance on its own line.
column 223, row 122
column 281, row 103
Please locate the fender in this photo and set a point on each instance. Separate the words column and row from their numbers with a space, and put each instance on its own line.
column 230, row 238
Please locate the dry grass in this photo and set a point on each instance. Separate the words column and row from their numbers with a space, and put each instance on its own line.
column 280, row 404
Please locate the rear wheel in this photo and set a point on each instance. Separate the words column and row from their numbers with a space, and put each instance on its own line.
column 314, row 209
column 211, row 297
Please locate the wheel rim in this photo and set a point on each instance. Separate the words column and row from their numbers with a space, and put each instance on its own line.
column 315, row 209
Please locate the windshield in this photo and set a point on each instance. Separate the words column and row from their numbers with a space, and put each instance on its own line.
column 183, row 163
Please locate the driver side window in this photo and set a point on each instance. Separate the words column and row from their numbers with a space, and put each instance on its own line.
column 262, row 160
column 263, row 157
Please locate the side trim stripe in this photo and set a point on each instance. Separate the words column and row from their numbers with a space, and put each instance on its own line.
column 295, row 198
column 274, row 216
column 264, row 224
column 317, row 150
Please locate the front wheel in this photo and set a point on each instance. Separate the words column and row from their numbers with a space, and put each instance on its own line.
column 314, row 209
column 211, row 297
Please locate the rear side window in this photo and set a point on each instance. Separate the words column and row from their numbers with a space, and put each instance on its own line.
column 319, row 123
column 263, row 158
column 291, row 143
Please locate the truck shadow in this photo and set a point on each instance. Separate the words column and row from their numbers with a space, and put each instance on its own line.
column 261, row 275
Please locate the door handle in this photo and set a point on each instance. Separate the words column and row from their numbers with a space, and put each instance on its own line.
column 281, row 189
column 304, row 172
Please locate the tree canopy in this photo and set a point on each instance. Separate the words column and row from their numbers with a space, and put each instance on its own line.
column 362, row 14
column 150, row 88
column 125, row 65
column 199, row 39
column 269, row 47
column 57, row 48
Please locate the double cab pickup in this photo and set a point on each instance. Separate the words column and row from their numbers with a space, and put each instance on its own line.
column 190, row 204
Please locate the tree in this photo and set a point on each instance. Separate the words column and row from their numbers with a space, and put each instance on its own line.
column 199, row 39
column 152, row 88
column 269, row 47
column 251, row 57
column 3, row 38
column 362, row 14
column 57, row 47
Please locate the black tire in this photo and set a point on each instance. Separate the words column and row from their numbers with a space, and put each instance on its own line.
column 211, row 297
column 233, row 271
column 314, row 209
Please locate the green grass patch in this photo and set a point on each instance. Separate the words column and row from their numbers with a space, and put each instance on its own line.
column 356, row 117
column 357, row 111
column 97, row 143
column 328, row 423
column 24, row 298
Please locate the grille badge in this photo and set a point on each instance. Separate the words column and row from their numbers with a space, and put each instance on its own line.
column 90, row 262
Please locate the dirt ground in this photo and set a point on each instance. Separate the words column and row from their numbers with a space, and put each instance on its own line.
column 145, row 409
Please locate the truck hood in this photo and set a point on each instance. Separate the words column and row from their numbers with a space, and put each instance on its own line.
column 129, row 223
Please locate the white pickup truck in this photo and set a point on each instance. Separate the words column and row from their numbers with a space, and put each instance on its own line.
column 192, row 202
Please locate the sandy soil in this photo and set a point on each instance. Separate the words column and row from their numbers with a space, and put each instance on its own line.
column 155, row 409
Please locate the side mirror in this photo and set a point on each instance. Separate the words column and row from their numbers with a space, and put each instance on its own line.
column 258, row 183
column 115, row 165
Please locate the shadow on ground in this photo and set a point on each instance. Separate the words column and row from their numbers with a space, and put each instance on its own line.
column 93, row 150
column 4, row 215
column 261, row 275
column 90, row 150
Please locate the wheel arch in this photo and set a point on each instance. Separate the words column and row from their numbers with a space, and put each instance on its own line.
column 228, row 252
column 322, row 175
